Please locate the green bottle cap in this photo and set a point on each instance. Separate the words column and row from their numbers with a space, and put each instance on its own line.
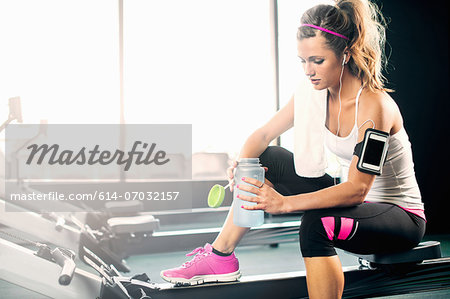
column 216, row 195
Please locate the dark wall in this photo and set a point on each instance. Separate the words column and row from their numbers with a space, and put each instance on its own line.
column 419, row 72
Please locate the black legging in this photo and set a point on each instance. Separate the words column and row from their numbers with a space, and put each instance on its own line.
column 365, row 228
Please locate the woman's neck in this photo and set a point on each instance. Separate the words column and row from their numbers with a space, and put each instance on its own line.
column 349, row 88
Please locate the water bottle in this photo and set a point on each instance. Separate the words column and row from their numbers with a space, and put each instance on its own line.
column 247, row 167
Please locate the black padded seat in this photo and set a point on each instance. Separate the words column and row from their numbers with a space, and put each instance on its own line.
column 424, row 251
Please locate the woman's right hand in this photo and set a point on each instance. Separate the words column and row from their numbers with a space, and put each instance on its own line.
column 230, row 174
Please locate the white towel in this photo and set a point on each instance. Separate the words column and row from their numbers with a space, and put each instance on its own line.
column 309, row 130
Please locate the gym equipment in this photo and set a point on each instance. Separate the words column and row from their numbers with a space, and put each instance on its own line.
column 15, row 112
column 418, row 270
column 60, row 233
column 66, row 229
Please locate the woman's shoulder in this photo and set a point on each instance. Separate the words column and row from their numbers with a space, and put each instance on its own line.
column 377, row 101
column 379, row 105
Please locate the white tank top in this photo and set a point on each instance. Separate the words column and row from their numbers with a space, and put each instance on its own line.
column 397, row 184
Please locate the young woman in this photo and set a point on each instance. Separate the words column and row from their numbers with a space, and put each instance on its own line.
column 340, row 48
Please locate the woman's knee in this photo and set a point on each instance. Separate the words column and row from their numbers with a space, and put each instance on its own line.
column 274, row 153
column 316, row 234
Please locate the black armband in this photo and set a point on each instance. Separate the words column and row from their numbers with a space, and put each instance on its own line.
column 372, row 151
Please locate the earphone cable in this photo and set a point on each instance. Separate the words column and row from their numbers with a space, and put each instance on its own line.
column 339, row 123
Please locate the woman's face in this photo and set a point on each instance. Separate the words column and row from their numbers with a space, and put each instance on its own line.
column 319, row 62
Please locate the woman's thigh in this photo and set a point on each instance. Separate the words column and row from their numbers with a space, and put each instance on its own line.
column 365, row 228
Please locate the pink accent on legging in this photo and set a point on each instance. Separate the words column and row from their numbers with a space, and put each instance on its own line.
column 346, row 228
column 328, row 225
column 418, row 212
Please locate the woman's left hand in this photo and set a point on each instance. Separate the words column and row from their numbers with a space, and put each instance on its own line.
column 266, row 198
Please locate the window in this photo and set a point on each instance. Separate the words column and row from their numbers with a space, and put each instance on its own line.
column 202, row 62
column 61, row 58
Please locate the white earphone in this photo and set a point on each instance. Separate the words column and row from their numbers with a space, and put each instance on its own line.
column 339, row 114
column 340, row 87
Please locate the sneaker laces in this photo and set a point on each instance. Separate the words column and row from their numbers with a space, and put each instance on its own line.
column 199, row 252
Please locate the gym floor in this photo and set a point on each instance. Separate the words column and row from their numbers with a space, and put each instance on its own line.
column 253, row 260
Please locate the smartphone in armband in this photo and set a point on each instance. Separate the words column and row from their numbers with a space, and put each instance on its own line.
column 372, row 151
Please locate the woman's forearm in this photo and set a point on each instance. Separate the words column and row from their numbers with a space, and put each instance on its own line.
column 342, row 195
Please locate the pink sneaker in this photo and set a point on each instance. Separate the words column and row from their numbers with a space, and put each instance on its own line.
column 206, row 266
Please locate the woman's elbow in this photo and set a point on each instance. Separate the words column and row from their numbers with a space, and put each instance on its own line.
column 361, row 191
column 262, row 135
